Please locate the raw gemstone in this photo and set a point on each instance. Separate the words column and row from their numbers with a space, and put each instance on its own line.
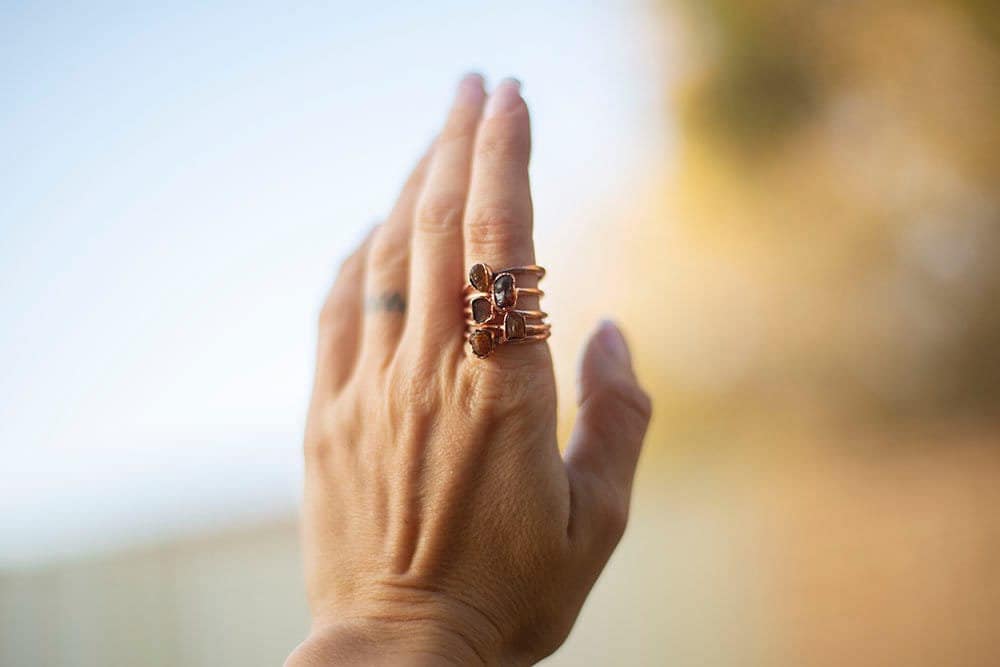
column 481, row 342
column 480, row 276
column 482, row 309
column 513, row 326
column 504, row 295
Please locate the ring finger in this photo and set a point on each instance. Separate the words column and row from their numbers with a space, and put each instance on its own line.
column 387, row 274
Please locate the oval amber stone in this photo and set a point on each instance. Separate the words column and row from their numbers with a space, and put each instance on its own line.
column 481, row 343
column 480, row 277
column 482, row 309
column 513, row 326
column 504, row 295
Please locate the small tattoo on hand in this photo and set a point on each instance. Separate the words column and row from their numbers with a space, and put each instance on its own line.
column 390, row 302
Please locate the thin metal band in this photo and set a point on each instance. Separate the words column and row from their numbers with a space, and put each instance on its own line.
column 471, row 293
column 531, row 338
column 538, row 335
column 527, row 268
column 537, row 314
column 529, row 328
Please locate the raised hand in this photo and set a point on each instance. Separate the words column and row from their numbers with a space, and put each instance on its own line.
column 441, row 523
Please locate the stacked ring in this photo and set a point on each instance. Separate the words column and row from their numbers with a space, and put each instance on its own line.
column 491, row 314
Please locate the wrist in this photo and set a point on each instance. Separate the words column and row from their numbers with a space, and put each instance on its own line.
column 375, row 643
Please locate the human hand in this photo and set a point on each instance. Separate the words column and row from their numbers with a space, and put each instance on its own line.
column 441, row 524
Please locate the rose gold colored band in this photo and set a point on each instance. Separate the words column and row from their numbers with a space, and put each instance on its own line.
column 529, row 328
column 533, row 291
column 538, row 335
column 533, row 338
column 527, row 268
column 484, row 343
column 538, row 314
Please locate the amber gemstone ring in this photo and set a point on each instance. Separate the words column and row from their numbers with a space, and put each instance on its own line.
column 492, row 318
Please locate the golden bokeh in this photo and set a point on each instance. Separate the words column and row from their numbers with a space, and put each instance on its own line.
column 813, row 299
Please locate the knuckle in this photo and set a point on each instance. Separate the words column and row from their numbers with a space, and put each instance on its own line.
column 504, row 389
column 499, row 401
column 497, row 225
column 612, row 510
column 389, row 251
column 637, row 401
column 619, row 402
column 443, row 212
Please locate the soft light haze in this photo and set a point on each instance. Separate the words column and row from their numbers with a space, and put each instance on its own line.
column 179, row 186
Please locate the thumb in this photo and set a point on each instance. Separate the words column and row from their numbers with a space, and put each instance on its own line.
column 607, row 438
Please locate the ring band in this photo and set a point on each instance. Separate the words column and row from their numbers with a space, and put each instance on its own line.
column 481, row 310
column 531, row 339
column 502, row 298
column 481, row 276
column 483, row 341
column 537, row 314
column 529, row 329
column 533, row 291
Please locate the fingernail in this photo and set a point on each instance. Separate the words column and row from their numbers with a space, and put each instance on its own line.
column 614, row 343
column 506, row 96
column 470, row 89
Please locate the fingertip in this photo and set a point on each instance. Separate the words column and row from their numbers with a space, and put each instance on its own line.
column 605, row 356
column 504, row 98
column 473, row 75
column 613, row 342
column 607, row 347
column 471, row 89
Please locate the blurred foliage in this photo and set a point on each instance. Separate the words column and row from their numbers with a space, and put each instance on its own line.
column 770, row 59
column 763, row 76
column 985, row 15
column 837, row 239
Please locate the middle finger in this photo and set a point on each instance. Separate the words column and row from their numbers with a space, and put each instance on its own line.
column 436, row 260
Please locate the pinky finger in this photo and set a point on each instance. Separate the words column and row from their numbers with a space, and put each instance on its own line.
column 340, row 323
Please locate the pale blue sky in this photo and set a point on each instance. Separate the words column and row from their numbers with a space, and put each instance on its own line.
column 178, row 186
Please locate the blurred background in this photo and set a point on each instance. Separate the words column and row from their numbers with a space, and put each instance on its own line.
column 794, row 211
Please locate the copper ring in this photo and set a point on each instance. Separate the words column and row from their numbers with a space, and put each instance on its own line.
column 484, row 313
column 529, row 330
column 492, row 318
column 483, row 341
column 534, row 291
column 531, row 339
column 538, row 314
